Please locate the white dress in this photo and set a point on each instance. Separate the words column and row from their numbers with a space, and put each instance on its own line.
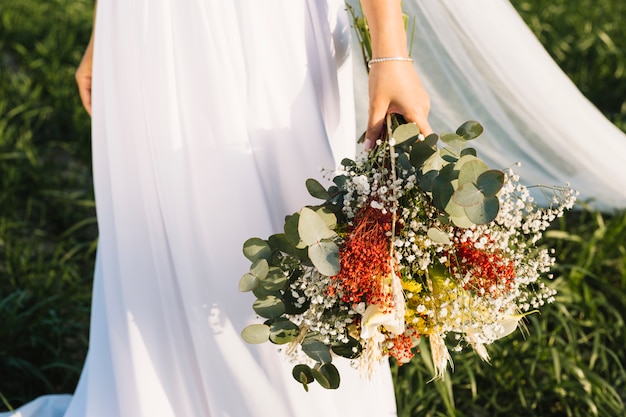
column 208, row 117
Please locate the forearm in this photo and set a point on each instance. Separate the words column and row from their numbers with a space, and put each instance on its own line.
column 386, row 26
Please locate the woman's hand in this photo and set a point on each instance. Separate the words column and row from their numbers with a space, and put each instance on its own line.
column 395, row 87
column 83, row 77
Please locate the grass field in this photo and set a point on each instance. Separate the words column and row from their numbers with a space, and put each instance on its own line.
column 569, row 363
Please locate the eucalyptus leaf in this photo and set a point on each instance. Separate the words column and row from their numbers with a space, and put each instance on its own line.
column 327, row 376
column 438, row 236
column 350, row 350
column 340, row 180
column 426, row 180
column 280, row 242
column 454, row 140
column 433, row 163
column 484, row 212
column 462, row 221
column 316, row 189
column 312, row 228
column 260, row 268
column 449, row 154
column 420, row 153
column 291, row 230
column 463, row 160
column 431, row 140
column 442, row 192
column 317, row 350
column 454, row 210
column 256, row 333
column 325, row 257
column 269, row 307
column 403, row 162
column 328, row 216
column 304, row 375
column 347, row 162
column 490, row 182
column 471, row 170
column 248, row 282
column 468, row 195
column 405, row 132
column 468, row 151
column 255, row 248
column 261, row 292
column 275, row 280
column 470, row 130
column 283, row 331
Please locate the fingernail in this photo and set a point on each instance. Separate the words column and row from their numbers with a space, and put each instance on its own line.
column 367, row 144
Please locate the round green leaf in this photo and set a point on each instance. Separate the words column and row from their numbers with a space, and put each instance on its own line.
column 312, row 228
column 442, row 192
column 260, row 268
column 405, row 132
column 467, row 195
column 327, row 376
column 471, row 170
column 256, row 333
column 269, row 307
column 484, row 212
column 449, row 154
column 325, row 257
column 420, row 152
column 461, row 221
column 468, row 151
column 438, row 236
column 454, row 210
column 328, row 216
column 350, row 350
column 303, row 374
column 317, row 350
column 283, row 331
column 316, row 189
column 490, row 182
column 463, row 160
column 291, row 230
column 275, row 280
column 470, row 130
column 248, row 282
column 255, row 248
column 454, row 140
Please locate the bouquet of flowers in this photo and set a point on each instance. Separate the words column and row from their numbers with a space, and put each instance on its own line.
column 416, row 239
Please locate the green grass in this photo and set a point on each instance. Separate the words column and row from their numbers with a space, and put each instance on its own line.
column 570, row 362
column 47, row 223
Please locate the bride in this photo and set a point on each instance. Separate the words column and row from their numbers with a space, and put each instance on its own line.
column 208, row 116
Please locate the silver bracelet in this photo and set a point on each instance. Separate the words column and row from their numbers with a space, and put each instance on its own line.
column 390, row 58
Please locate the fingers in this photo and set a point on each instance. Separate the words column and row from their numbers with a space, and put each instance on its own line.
column 375, row 125
column 84, row 91
column 421, row 120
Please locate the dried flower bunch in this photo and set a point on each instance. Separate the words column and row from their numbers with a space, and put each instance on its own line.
column 416, row 238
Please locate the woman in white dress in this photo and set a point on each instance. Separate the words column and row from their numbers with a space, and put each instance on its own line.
column 208, row 116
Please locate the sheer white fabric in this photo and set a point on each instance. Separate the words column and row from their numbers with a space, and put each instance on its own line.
column 208, row 117
column 479, row 61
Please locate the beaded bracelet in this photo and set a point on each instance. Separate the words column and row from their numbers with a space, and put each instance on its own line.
column 390, row 58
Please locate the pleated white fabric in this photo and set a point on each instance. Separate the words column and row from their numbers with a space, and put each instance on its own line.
column 208, row 117
column 479, row 61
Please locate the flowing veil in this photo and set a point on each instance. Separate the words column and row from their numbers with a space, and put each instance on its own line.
column 479, row 61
